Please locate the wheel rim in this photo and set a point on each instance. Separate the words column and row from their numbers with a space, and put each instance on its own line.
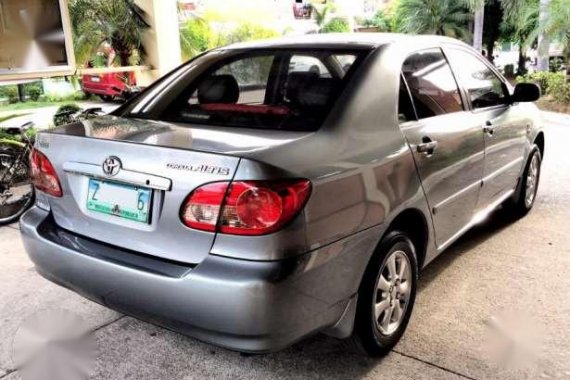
column 531, row 180
column 393, row 289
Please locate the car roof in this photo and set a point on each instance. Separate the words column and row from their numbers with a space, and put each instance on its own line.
column 342, row 40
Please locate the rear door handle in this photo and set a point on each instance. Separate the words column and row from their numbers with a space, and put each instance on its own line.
column 427, row 147
column 489, row 128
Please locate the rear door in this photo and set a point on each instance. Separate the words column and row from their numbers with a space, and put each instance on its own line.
column 504, row 130
column 448, row 148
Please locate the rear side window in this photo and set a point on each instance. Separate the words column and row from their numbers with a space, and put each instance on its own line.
column 484, row 87
column 283, row 89
column 431, row 83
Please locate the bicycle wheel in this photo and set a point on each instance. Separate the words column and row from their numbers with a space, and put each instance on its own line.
column 16, row 189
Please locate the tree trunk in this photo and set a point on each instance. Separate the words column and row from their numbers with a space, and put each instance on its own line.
column 21, row 93
column 478, row 29
column 490, row 48
column 521, row 69
column 568, row 64
column 543, row 40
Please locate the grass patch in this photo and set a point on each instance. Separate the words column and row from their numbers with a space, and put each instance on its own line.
column 30, row 105
column 8, row 117
column 548, row 103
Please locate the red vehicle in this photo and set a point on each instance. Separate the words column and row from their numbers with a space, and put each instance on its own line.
column 110, row 85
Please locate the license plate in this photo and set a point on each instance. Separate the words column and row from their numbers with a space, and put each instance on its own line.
column 95, row 79
column 125, row 201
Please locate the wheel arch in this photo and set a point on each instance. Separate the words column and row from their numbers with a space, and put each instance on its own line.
column 414, row 223
column 539, row 141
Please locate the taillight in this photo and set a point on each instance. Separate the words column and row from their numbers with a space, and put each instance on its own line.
column 245, row 207
column 43, row 174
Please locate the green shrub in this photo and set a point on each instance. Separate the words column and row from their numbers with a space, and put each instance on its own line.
column 552, row 84
column 33, row 90
column 246, row 32
column 556, row 64
column 34, row 93
column 336, row 25
column 380, row 20
column 64, row 113
column 196, row 36
column 9, row 92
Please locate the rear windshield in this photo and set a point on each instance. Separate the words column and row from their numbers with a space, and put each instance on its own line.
column 281, row 89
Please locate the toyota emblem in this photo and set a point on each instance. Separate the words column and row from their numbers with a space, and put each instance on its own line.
column 111, row 165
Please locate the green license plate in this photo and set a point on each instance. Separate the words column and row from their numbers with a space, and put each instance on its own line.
column 125, row 201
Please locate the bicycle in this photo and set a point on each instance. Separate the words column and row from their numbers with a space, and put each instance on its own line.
column 16, row 188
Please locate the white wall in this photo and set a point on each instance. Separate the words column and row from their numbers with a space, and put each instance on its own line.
column 162, row 40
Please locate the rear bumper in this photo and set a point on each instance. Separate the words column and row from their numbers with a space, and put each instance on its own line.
column 100, row 89
column 243, row 305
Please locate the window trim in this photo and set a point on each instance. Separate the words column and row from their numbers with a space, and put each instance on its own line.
column 459, row 88
column 506, row 87
column 405, row 83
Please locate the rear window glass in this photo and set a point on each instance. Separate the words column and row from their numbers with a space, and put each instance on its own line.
column 283, row 89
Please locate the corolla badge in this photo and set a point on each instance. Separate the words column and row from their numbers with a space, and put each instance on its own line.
column 112, row 165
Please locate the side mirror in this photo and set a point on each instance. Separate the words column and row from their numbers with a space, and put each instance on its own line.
column 525, row 92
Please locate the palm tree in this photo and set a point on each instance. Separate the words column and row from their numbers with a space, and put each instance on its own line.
column 556, row 27
column 543, row 40
column 443, row 17
column 196, row 36
column 519, row 23
column 321, row 13
column 121, row 23
column 478, row 8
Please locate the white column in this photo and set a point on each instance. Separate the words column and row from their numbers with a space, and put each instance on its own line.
column 162, row 40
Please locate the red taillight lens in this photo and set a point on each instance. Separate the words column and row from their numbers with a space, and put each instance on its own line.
column 43, row 174
column 247, row 207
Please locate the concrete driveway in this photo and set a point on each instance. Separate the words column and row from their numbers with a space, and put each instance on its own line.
column 496, row 305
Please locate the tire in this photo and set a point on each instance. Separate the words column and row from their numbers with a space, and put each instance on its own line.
column 11, row 208
column 525, row 194
column 374, row 334
column 107, row 98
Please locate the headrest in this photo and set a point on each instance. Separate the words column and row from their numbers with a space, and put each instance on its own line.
column 218, row 89
column 295, row 83
column 318, row 93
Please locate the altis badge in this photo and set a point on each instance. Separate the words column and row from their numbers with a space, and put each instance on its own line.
column 201, row 168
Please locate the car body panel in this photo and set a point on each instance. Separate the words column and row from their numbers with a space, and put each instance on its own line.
column 109, row 84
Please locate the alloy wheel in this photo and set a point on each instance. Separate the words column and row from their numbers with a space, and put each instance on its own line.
column 531, row 180
column 393, row 288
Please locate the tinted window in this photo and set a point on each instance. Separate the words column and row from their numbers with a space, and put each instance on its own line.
column 431, row 84
column 484, row 87
column 278, row 90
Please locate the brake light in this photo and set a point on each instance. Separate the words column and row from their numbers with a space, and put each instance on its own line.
column 43, row 174
column 245, row 207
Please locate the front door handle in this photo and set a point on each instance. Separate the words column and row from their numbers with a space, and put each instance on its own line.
column 427, row 147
